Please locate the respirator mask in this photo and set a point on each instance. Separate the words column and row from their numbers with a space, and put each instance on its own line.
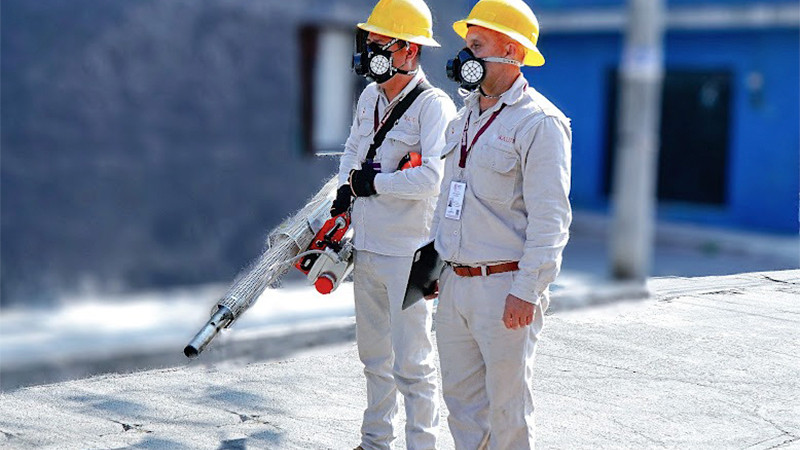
column 374, row 62
column 469, row 71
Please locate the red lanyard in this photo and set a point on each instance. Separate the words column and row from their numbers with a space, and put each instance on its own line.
column 464, row 149
column 375, row 123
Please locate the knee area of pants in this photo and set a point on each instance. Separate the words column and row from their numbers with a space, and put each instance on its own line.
column 510, row 418
column 414, row 372
column 416, row 381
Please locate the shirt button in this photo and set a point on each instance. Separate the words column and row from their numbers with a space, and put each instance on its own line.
column 455, row 233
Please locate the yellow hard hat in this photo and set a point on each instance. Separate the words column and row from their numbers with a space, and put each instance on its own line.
column 511, row 17
column 407, row 20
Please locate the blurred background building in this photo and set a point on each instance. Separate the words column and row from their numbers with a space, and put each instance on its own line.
column 148, row 147
column 729, row 152
column 149, row 144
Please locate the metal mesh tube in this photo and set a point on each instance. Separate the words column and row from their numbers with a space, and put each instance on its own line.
column 289, row 238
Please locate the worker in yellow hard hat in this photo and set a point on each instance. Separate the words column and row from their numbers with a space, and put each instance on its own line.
column 510, row 18
column 389, row 177
column 501, row 224
column 393, row 26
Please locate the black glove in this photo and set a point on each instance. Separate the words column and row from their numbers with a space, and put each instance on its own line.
column 362, row 181
column 343, row 199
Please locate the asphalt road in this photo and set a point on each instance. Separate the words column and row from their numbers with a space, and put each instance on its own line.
column 705, row 363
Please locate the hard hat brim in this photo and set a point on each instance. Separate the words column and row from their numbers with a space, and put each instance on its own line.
column 533, row 57
column 421, row 40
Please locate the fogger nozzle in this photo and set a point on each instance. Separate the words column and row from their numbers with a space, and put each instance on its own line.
column 221, row 319
column 293, row 235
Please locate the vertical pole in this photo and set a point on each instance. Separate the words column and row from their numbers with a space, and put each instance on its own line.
column 634, row 188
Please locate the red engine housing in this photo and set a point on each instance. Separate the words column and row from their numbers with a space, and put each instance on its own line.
column 330, row 235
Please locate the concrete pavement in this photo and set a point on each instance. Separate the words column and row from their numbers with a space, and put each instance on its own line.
column 708, row 362
column 95, row 333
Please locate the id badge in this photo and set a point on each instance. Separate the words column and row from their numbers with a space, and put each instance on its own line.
column 455, row 201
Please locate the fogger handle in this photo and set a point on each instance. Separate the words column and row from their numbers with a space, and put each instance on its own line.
column 221, row 319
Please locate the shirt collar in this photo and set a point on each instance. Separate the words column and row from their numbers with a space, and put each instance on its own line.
column 418, row 77
column 509, row 97
column 515, row 93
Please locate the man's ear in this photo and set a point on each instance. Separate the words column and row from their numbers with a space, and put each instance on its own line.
column 511, row 50
column 413, row 50
column 515, row 51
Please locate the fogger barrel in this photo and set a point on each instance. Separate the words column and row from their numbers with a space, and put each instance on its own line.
column 284, row 243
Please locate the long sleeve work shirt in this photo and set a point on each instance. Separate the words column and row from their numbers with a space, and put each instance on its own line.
column 516, row 202
column 397, row 220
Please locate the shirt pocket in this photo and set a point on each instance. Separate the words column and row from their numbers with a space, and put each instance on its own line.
column 449, row 147
column 365, row 138
column 405, row 135
column 495, row 176
column 452, row 139
column 399, row 141
column 449, row 164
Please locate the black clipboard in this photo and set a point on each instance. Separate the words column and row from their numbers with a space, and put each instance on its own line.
column 425, row 270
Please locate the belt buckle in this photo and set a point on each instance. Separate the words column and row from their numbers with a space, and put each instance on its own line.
column 484, row 270
column 455, row 267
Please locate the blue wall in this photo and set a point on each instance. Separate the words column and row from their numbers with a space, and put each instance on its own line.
column 574, row 78
column 539, row 5
column 763, row 155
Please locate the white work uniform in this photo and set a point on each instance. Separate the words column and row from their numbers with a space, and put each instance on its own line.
column 395, row 345
column 515, row 207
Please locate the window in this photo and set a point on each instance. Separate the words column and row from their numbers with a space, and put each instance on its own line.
column 695, row 115
column 329, row 87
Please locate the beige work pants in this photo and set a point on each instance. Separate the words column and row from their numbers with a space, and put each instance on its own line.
column 397, row 351
column 487, row 369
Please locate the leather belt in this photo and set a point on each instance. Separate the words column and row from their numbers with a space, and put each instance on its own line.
column 469, row 271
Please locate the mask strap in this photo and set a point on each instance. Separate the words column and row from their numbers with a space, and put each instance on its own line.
column 400, row 71
column 498, row 59
column 391, row 43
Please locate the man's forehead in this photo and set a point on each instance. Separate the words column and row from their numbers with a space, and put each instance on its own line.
column 480, row 34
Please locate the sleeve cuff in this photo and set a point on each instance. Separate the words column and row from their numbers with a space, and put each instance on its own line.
column 525, row 288
column 343, row 177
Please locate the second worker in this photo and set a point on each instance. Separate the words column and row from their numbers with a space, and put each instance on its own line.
column 399, row 123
